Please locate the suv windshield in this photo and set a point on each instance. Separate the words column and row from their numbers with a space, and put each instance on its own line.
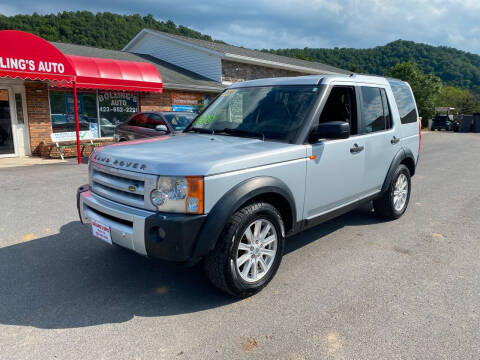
column 270, row 112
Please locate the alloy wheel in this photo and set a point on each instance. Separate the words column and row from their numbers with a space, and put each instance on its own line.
column 257, row 250
column 400, row 192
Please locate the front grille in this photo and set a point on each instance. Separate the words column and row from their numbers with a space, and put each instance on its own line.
column 110, row 217
column 126, row 187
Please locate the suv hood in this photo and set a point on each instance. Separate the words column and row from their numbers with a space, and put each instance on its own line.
column 195, row 154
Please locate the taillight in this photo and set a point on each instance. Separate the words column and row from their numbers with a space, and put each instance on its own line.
column 419, row 134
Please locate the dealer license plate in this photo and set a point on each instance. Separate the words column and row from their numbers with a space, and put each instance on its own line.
column 101, row 231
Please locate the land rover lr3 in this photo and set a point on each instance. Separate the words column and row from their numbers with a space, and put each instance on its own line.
column 267, row 159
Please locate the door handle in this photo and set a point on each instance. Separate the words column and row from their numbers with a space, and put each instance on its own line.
column 356, row 149
column 394, row 140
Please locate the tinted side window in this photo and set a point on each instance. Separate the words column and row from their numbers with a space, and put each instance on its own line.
column 134, row 121
column 142, row 120
column 386, row 109
column 341, row 106
column 153, row 120
column 405, row 102
column 372, row 110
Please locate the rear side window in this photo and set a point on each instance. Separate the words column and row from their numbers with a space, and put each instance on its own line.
column 405, row 102
column 386, row 109
column 375, row 110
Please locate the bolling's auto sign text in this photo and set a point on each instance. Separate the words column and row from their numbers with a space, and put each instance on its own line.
column 8, row 63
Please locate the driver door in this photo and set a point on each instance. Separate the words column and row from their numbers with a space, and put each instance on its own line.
column 336, row 170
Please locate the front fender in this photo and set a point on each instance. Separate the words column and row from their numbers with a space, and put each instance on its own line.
column 232, row 201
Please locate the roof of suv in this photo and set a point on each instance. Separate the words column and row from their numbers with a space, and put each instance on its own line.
column 312, row 80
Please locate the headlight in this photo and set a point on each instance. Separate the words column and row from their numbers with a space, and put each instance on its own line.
column 158, row 197
column 179, row 194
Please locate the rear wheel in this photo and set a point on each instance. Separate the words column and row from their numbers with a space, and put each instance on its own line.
column 248, row 252
column 394, row 202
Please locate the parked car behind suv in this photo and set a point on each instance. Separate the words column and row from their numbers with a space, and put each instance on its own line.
column 149, row 124
column 445, row 122
column 267, row 159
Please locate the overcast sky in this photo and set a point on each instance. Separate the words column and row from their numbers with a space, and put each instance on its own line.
column 286, row 23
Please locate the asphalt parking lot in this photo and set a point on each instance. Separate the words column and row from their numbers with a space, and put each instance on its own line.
column 352, row 288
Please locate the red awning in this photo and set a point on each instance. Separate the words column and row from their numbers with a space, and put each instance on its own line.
column 97, row 73
column 28, row 56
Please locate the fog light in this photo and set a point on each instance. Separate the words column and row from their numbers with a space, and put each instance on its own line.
column 158, row 197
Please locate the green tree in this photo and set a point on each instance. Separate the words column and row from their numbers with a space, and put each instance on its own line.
column 454, row 67
column 425, row 87
column 462, row 100
column 106, row 30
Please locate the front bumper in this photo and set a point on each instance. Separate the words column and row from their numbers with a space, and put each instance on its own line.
column 160, row 235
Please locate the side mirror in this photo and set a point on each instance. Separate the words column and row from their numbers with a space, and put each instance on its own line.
column 161, row 128
column 330, row 130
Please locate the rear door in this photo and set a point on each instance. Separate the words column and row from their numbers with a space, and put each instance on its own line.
column 381, row 136
column 407, row 116
column 335, row 173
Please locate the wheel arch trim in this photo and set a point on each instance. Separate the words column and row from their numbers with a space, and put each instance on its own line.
column 399, row 157
column 230, row 202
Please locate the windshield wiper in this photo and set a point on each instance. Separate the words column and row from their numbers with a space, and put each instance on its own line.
column 201, row 130
column 228, row 131
column 243, row 132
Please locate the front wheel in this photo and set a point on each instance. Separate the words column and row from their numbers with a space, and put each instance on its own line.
column 248, row 252
column 393, row 203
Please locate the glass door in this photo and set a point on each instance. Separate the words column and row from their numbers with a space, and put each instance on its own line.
column 6, row 134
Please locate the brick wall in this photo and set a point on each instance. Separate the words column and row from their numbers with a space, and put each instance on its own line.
column 236, row 72
column 38, row 111
column 156, row 101
column 163, row 101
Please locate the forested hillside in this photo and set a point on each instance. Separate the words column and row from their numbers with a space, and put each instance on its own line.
column 106, row 30
column 454, row 67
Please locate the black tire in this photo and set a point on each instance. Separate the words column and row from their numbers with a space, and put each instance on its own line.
column 384, row 205
column 220, row 265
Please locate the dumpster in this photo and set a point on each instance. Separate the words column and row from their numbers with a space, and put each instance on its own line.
column 466, row 123
column 476, row 123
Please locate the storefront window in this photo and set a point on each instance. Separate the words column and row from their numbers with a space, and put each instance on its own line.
column 63, row 114
column 113, row 108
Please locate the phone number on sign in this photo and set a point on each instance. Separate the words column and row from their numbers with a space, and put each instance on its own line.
column 118, row 109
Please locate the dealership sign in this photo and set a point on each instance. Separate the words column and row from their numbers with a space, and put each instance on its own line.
column 9, row 63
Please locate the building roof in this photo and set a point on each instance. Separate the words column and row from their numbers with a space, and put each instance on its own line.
column 241, row 54
column 173, row 77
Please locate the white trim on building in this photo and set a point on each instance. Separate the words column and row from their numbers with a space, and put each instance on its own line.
column 20, row 131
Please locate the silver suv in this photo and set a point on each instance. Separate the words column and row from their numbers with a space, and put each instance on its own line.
column 267, row 159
